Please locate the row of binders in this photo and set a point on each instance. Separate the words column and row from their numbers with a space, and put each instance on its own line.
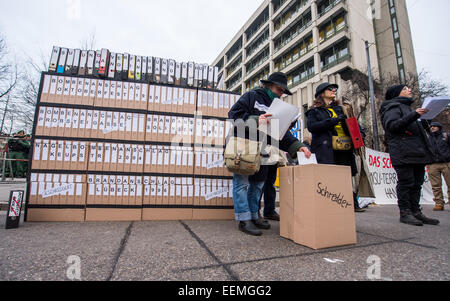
column 66, row 189
column 126, row 95
column 124, row 66
column 116, row 157
column 81, row 123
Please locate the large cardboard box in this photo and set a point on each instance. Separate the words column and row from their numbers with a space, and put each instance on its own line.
column 316, row 206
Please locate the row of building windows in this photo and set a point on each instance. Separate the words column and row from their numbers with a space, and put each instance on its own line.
column 398, row 47
column 234, row 65
column 254, row 82
column 331, row 28
column 334, row 55
column 259, row 22
column 299, row 50
column 294, row 31
column 258, row 60
column 236, row 79
column 286, row 16
column 326, row 5
column 258, row 42
column 236, row 47
column 301, row 74
column 277, row 4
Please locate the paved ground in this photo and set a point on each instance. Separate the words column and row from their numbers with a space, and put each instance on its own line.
column 188, row 251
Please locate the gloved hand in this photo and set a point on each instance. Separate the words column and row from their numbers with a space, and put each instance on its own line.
column 342, row 118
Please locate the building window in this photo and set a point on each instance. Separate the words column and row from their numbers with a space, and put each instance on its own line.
column 295, row 53
column 326, row 5
column 301, row 74
column 304, row 22
column 254, row 81
column 257, row 24
column 332, row 28
column 335, row 55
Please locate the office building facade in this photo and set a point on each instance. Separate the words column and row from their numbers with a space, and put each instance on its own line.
column 313, row 41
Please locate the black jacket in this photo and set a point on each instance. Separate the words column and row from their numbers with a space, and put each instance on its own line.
column 408, row 142
column 442, row 146
column 252, row 105
column 321, row 125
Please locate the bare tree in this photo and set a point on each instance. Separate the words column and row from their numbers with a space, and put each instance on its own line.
column 8, row 71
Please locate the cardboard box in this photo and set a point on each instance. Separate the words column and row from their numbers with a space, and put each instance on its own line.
column 316, row 206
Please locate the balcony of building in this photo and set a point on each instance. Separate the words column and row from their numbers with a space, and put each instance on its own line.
column 254, row 66
column 301, row 74
column 258, row 44
column 257, row 26
column 254, row 81
column 337, row 54
column 290, row 15
column 326, row 9
column 296, row 55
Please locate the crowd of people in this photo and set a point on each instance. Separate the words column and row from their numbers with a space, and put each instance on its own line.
column 411, row 143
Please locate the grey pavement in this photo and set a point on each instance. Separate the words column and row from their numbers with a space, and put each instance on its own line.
column 216, row 250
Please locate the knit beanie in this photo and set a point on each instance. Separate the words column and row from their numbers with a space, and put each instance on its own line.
column 394, row 91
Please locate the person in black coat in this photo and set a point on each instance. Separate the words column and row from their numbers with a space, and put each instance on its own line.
column 325, row 120
column 247, row 191
column 441, row 168
column 410, row 150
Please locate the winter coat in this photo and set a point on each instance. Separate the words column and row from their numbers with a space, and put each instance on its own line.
column 252, row 105
column 442, row 146
column 321, row 125
column 407, row 140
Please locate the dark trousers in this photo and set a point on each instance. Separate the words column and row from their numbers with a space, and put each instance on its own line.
column 409, row 187
column 270, row 194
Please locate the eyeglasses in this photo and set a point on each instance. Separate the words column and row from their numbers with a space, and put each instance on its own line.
column 332, row 89
column 407, row 89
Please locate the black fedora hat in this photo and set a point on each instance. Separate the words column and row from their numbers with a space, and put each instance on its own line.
column 279, row 79
column 322, row 87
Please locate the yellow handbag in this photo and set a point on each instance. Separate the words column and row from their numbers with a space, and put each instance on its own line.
column 343, row 143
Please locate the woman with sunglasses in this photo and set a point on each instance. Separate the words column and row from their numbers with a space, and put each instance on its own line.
column 327, row 119
column 410, row 150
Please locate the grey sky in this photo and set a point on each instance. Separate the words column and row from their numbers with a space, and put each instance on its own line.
column 191, row 30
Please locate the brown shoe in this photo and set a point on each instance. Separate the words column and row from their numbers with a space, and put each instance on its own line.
column 438, row 208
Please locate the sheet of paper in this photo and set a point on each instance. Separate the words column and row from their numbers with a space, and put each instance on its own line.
column 436, row 105
column 302, row 160
column 283, row 115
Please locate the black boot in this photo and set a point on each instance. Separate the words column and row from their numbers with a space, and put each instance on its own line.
column 249, row 228
column 261, row 224
column 427, row 221
column 406, row 217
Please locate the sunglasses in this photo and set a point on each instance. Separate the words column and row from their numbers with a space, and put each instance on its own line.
column 332, row 89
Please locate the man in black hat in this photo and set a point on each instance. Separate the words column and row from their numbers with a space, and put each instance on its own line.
column 247, row 191
column 441, row 168
column 410, row 151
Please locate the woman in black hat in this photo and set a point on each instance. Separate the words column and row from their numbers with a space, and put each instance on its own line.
column 410, row 150
column 247, row 190
column 327, row 119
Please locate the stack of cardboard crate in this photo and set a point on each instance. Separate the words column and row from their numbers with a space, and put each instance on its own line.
column 140, row 140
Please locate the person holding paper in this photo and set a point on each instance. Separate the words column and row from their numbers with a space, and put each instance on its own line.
column 410, row 150
column 325, row 120
column 441, row 168
column 250, row 112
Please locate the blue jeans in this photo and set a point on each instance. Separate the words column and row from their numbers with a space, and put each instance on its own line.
column 246, row 196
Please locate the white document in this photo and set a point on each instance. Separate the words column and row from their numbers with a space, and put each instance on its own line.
column 302, row 160
column 283, row 115
column 436, row 105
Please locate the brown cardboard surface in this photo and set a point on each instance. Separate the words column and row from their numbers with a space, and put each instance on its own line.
column 55, row 215
column 323, row 213
column 113, row 215
column 157, row 214
column 213, row 214
column 286, row 202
